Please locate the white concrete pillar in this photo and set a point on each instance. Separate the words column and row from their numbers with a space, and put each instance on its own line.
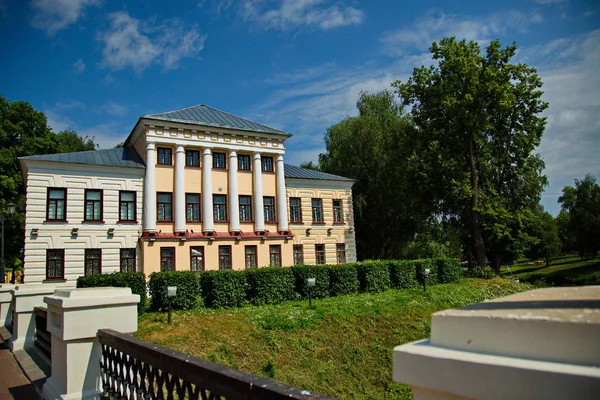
column 150, row 189
column 6, row 303
column 74, row 317
column 207, row 200
column 282, row 213
column 234, row 200
column 259, row 212
column 180, row 189
column 25, row 298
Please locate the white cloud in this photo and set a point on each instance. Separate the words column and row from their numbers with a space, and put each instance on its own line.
column 291, row 14
column 437, row 25
column 115, row 108
column 79, row 66
column 54, row 15
column 136, row 44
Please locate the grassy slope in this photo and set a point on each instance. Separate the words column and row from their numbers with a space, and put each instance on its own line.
column 562, row 271
column 341, row 347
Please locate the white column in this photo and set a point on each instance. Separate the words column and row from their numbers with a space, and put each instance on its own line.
column 259, row 213
column 234, row 206
column 180, row 189
column 207, row 200
column 150, row 189
column 282, row 213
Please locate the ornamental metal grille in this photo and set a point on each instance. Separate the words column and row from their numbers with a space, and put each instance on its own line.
column 133, row 369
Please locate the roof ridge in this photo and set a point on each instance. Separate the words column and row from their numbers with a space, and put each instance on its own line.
column 181, row 109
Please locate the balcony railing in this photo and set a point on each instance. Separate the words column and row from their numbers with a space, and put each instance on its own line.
column 135, row 369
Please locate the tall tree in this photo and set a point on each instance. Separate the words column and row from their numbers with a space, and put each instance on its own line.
column 69, row 141
column 582, row 202
column 545, row 231
column 478, row 118
column 374, row 149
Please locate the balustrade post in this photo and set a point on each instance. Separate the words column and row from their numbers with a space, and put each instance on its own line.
column 74, row 317
column 6, row 304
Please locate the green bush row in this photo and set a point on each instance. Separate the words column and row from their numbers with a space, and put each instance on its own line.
column 134, row 280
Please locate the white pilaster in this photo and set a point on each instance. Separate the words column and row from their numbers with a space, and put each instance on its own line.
column 150, row 189
column 259, row 213
column 282, row 214
column 207, row 200
column 234, row 206
column 180, row 189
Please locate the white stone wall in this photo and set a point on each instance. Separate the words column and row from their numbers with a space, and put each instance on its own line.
column 57, row 235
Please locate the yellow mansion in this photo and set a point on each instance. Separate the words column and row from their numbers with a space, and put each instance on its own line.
column 192, row 189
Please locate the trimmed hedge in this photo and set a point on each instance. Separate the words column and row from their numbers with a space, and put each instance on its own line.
column 423, row 264
column 269, row 285
column 321, row 275
column 373, row 275
column 134, row 280
column 449, row 269
column 403, row 273
column 223, row 288
column 188, row 289
column 343, row 279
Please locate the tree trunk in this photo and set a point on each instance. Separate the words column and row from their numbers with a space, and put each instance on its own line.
column 495, row 264
column 478, row 243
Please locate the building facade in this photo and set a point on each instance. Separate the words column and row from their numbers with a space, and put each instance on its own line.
column 192, row 189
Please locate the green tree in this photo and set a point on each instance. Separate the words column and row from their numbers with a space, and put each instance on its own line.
column 374, row 149
column 24, row 132
column 478, row 118
column 69, row 141
column 567, row 238
column 310, row 165
column 582, row 202
column 545, row 232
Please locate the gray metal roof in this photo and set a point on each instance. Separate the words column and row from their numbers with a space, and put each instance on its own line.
column 119, row 157
column 206, row 115
column 303, row 173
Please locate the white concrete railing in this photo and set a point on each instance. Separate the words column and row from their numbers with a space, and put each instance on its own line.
column 6, row 304
column 74, row 318
column 540, row 344
column 25, row 297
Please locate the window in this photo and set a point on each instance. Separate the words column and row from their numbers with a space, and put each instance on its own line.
column 163, row 206
column 165, row 155
column 267, row 164
column 269, row 205
column 55, row 264
column 220, row 207
column 244, row 162
column 298, row 254
column 127, row 210
column 219, row 160
column 317, row 210
column 275, row 255
column 127, row 260
column 192, row 158
column 192, row 207
column 167, row 259
column 56, row 207
column 93, row 261
column 295, row 210
column 93, row 205
column 337, row 212
column 341, row 253
column 251, row 257
column 245, row 209
column 197, row 258
column 320, row 253
column 224, row 257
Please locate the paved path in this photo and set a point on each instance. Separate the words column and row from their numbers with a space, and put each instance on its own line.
column 13, row 383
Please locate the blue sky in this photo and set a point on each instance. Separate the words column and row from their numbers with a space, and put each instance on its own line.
column 97, row 65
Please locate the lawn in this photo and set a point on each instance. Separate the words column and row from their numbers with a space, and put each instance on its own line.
column 342, row 346
column 563, row 271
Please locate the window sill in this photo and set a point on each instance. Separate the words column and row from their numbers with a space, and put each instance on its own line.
column 297, row 223
column 244, row 170
column 220, row 222
column 56, row 220
column 54, row 280
column 269, row 172
column 187, row 221
column 318, row 223
column 92, row 221
column 127, row 221
column 164, row 222
column 219, row 169
column 193, row 166
column 339, row 223
column 164, row 165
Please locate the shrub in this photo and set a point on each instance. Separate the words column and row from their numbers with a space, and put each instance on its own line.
column 269, row 285
column 480, row 272
column 343, row 279
column 373, row 275
column 321, row 275
column 223, row 288
column 403, row 273
column 448, row 269
column 188, row 289
column 136, row 281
